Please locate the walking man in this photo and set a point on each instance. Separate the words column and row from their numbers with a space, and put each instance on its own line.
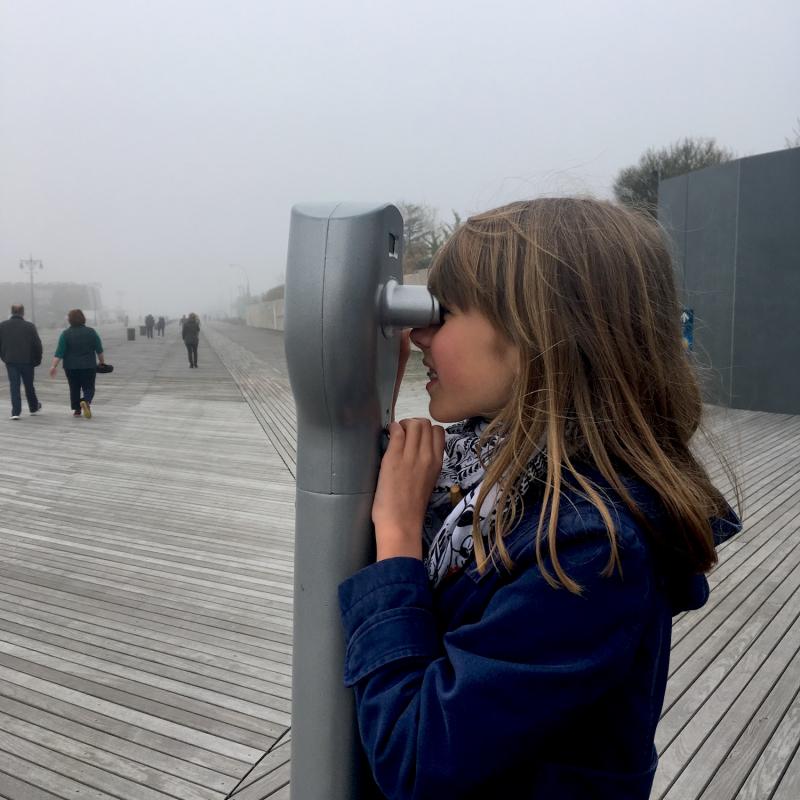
column 21, row 351
column 191, row 336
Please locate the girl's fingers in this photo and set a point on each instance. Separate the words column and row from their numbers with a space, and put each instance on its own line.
column 413, row 434
column 418, row 437
column 417, row 441
column 396, row 438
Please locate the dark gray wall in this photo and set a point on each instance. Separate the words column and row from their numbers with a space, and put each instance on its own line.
column 736, row 235
column 767, row 325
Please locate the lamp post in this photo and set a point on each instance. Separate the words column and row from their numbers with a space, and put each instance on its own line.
column 246, row 277
column 95, row 293
column 31, row 264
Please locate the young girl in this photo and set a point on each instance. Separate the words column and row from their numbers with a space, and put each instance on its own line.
column 512, row 638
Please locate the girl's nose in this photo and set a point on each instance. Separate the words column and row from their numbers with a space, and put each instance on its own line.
column 422, row 336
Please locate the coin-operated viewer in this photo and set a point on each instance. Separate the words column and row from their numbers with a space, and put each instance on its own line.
column 345, row 305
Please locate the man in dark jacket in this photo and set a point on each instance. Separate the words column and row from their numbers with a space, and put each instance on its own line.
column 191, row 336
column 21, row 351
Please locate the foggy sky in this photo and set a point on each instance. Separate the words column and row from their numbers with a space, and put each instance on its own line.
column 148, row 146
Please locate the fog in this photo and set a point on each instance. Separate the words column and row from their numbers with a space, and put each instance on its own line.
column 156, row 148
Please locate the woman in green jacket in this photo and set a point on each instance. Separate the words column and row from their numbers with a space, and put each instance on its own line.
column 77, row 346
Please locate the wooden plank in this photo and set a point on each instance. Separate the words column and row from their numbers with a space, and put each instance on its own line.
column 52, row 742
column 690, row 762
column 689, row 689
column 131, row 662
column 181, row 659
column 66, row 774
column 146, row 568
column 789, row 786
column 267, row 785
column 159, row 744
column 15, row 789
column 279, row 755
column 755, row 763
column 138, row 582
column 723, row 620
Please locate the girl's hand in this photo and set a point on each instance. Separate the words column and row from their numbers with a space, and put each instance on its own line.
column 53, row 371
column 405, row 352
column 409, row 470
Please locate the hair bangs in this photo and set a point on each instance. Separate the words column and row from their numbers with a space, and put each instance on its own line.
column 453, row 278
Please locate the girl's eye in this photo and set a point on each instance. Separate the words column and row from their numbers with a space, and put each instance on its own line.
column 443, row 312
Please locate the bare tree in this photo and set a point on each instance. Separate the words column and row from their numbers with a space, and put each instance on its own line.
column 423, row 234
column 794, row 139
column 420, row 240
column 449, row 228
column 638, row 185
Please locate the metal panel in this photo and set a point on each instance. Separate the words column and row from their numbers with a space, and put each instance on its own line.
column 767, row 312
column 672, row 204
column 736, row 234
column 709, row 253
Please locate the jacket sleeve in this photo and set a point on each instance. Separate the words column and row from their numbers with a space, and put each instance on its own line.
column 438, row 715
column 61, row 347
column 98, row 344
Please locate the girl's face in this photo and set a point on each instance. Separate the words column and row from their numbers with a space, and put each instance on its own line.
column 471, row 366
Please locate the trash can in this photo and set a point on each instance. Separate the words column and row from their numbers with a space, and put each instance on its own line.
column 131, row 334
column 143, row 330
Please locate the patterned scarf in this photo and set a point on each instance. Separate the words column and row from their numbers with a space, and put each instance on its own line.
column 447, row 529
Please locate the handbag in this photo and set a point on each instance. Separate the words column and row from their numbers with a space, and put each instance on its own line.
column 103, row 368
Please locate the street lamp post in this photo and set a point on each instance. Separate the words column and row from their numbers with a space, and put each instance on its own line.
column 245, row 290
column 31, row 264
column 246, row 276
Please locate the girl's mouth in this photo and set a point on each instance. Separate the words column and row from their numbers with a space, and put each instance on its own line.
column 433, row 377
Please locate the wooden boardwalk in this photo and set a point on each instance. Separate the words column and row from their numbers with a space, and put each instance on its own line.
column 145, row 600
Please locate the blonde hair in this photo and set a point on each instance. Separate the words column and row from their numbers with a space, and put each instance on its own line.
column 585, row 290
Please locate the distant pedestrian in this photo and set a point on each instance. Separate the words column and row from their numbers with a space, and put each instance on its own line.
column 149, row 324
column 21, row 351
column 181, row 322
column 191, row 336
column 77, row 346
column 160, row 325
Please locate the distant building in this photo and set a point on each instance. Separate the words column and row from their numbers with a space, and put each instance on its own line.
column 736, row 234
column 51, row 300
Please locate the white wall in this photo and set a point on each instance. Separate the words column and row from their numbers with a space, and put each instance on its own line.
column 265, row 315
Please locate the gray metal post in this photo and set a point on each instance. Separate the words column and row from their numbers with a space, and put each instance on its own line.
column 31, row 264
column 344, row 302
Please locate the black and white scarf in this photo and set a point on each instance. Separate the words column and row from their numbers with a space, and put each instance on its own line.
column 447, row 529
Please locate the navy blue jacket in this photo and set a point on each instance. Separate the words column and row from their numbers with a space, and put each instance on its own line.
column 498, row 685
column 20, row 342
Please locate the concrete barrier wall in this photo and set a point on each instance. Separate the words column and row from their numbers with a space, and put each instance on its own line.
column 265, row 315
